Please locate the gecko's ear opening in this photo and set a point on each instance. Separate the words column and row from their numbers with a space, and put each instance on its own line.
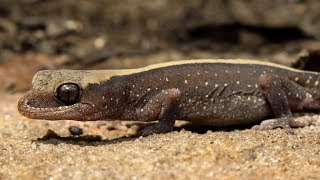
column 68, row 93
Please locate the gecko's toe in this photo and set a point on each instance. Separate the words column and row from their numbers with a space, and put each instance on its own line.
column 270, row 124
column 146, row 132
column 256, row 127
column 155, row 129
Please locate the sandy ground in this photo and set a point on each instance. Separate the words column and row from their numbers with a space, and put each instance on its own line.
column 106, row 151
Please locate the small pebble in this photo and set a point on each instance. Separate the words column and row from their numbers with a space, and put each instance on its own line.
column 74, row 130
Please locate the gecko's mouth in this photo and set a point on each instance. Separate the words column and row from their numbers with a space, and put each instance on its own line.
column 29, row 106
column 60, row 112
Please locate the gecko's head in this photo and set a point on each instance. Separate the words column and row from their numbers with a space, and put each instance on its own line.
column 66, row 94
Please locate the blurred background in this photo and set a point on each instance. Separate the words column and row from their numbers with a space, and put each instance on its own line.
column 108, row 34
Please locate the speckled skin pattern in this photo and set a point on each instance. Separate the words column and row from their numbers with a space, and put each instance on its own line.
column 212, row 92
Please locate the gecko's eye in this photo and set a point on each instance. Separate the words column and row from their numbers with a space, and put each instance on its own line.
column 68, row 93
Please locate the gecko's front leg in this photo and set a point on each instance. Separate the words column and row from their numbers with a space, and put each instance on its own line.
column 163, row 107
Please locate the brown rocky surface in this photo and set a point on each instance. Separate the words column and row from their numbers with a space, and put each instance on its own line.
column 79, row 28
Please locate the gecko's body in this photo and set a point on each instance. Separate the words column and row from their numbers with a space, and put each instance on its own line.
column 212, row 92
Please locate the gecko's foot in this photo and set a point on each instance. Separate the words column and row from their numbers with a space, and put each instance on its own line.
column 283, row 122
column 155, row 129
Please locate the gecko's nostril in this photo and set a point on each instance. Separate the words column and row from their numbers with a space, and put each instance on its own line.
column 30, row 103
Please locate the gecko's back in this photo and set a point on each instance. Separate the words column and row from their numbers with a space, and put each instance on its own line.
column 218, row 93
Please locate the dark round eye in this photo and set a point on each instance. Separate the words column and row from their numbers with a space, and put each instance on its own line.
column 68, row 93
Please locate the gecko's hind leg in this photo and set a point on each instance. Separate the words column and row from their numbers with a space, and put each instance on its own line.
column 164, row 107
column 279, row 91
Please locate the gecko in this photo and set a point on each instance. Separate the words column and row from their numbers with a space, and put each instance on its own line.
column 213, row 92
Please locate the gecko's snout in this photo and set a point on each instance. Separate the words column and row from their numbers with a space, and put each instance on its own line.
column 39, row 107
column 27, row 102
